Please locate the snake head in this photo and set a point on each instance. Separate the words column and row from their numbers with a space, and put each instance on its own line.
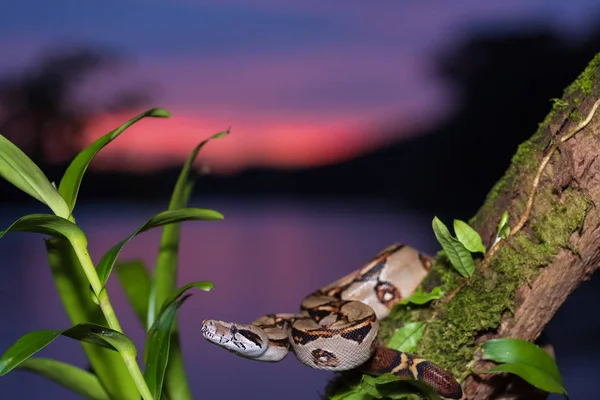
column 244, row 340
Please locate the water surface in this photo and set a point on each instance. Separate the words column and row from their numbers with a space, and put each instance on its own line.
column 263, row 258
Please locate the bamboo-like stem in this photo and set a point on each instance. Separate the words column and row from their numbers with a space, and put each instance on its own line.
column 80, row 249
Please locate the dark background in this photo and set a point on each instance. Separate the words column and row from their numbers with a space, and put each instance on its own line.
column 318, row 220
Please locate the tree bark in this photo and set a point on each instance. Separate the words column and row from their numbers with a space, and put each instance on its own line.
column 561, row 236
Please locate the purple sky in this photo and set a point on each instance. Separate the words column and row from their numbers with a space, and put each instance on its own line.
column 294, row 79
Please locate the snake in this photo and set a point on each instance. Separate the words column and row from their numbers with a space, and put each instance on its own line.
column 336, row 328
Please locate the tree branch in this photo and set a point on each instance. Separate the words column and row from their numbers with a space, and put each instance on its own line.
column 558, row 244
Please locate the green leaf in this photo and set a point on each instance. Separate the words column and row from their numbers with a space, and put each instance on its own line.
column 468, row 237
column 102, row 336
column 75, row 379
column 407, row 337
column 48, row 224
column 166, row 265
column 508, row 350
column 394, row 388
column 22, row 172
column 526, row 360
column 503, row 226
column 24, row 348
column 381, row 379
column 351, row 394
column 135, row 281
column 71, row 181
column 368, row 385
column 73, row 288
column 420, row 297
column 459, row 256
column 156, row 351
column 107, row 262
column 532, row 375
column 33, row 342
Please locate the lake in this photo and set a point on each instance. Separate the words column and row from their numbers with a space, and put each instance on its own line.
column 263, row 258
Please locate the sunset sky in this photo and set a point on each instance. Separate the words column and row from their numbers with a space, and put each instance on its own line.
column 300, row 82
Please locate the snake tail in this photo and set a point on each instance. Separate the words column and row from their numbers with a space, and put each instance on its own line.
column 407, row 366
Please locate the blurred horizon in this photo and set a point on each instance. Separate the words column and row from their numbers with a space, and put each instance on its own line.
column 301, row 85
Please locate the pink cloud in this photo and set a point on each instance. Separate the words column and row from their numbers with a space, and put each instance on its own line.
column 156, row 143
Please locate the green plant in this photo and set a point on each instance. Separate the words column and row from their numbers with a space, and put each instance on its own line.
column 81, row 285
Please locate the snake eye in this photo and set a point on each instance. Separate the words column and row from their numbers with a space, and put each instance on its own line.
column 233, row 329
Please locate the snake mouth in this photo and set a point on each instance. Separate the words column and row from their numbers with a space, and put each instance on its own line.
column 208, row 328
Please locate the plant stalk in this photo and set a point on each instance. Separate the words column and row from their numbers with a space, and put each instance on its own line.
column 85, row 260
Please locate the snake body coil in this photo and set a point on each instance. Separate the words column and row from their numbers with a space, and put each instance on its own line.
column 337, row 326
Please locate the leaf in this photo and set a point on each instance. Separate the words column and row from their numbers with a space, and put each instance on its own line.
column 420, row 297
column 135, row 280
column 508, row 350
column 48, row 224
column 468, row 237
column 368, row 385
column 406, row 389
column 107, row 262
column 381, row 379
column 33, row 342
column 71, row 181
column 22, row 172
column 351, row 394
column 156, row 351
column 532, row 375
column 75, row 379
column 459, row 256
column 24, row 348
column 164, row 283
column 166, row 265
column 526, row 360
column 407, row 337
column 101, row 336
column 503, row 226
column 202, row 285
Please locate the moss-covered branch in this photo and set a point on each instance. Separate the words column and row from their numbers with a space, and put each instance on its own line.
column 539, row 265
column 534, row 271
column 521, row 286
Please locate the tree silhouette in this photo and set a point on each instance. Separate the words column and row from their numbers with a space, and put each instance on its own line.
column 40, row 109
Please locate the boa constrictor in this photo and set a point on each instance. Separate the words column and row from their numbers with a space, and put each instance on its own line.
column 337, row 326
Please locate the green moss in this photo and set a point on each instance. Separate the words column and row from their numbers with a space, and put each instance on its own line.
column 575, row 115
column 585, row 81
column 450, row 341
column 489, row 294
column 564, row 217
